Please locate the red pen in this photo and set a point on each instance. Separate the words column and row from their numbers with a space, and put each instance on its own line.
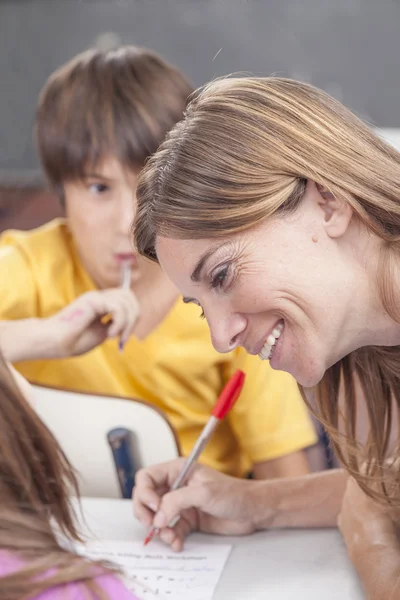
column 226, row 400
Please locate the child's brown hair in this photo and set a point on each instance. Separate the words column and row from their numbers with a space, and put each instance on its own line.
column 36, row 483
column 118, row 103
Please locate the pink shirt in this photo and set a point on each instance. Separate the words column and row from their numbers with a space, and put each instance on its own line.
column 111, row 585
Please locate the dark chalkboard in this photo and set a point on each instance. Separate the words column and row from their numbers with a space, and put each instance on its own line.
column 351, row 48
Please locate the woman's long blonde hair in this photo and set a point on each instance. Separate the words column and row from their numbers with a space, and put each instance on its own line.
column 243, row 152
column 36, row 482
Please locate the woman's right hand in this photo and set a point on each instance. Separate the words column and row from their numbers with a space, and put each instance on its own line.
column 210, row 502
column 81, row 326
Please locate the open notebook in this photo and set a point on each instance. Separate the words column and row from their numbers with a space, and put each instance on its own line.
column 156, row 572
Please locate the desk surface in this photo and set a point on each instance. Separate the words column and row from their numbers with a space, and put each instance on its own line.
column 279, row 565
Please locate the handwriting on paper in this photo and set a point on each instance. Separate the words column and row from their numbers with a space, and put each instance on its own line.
column 157, row 572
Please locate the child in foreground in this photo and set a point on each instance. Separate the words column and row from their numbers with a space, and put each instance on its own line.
column 36, row 483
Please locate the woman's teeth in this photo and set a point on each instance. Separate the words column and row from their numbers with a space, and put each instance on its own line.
column 269, row 345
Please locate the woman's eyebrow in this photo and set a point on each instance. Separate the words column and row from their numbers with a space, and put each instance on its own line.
column 197, row 271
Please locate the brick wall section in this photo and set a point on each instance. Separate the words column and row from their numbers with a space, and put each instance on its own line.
column 26, row 202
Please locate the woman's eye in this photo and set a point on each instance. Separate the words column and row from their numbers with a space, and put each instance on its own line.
column 219, row 278
column 98, row 188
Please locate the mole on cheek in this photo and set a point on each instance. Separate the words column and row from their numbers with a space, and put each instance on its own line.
column 315, row 238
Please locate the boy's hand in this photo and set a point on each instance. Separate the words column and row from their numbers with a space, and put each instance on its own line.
column 92, row 318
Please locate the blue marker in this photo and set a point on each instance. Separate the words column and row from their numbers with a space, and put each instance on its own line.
column 121, row 443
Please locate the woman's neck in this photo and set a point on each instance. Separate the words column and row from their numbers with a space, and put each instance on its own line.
column 377, row 320
column 366, row 322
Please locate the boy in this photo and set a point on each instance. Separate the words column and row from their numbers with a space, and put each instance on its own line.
column 99, row 117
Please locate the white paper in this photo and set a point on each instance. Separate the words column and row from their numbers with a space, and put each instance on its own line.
column 156, row 572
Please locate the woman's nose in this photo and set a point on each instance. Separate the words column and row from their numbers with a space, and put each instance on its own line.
column 227, row 332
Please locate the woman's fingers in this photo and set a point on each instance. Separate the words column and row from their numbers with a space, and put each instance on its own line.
column 150, row 486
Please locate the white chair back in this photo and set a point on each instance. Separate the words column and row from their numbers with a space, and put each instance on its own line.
column 80, row 422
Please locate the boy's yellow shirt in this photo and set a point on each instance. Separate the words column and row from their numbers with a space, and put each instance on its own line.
column 175, row 368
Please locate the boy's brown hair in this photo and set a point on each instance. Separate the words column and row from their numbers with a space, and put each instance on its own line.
column 118, row 103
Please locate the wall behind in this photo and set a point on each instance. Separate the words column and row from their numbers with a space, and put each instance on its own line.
column 350, row 48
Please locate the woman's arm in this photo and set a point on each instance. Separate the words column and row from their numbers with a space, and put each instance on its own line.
column 309, row 501
column 373, row 544
column 215, row 503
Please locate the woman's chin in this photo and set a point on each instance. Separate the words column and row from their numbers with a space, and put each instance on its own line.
column 308, row 375
column 298, row 361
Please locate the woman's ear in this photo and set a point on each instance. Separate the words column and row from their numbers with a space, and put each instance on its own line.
column 337, row 212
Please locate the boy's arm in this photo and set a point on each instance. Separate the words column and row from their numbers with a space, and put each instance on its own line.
column 74, row 330
column 27, row 339
column 20, row 333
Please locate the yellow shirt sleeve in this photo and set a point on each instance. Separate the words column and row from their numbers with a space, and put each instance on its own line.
column 270, row 418
column 18, row 290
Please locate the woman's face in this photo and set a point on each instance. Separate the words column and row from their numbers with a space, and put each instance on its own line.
column 293, row 278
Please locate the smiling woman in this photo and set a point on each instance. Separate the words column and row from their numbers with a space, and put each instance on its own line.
column 266, row 278
column 272, row 205
column 278, row 211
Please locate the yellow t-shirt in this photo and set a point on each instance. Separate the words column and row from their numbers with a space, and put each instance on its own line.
column 175, row 368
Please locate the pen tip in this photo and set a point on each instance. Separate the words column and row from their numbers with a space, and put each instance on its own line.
column 149, row 537
column 147, row 540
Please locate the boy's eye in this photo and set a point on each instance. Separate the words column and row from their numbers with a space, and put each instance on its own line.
column 98, row 188
column 202, row 315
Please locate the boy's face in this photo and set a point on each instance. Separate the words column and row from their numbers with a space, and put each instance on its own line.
column 100, row 210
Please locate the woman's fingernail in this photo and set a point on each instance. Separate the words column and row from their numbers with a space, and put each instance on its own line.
column 160, row 520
